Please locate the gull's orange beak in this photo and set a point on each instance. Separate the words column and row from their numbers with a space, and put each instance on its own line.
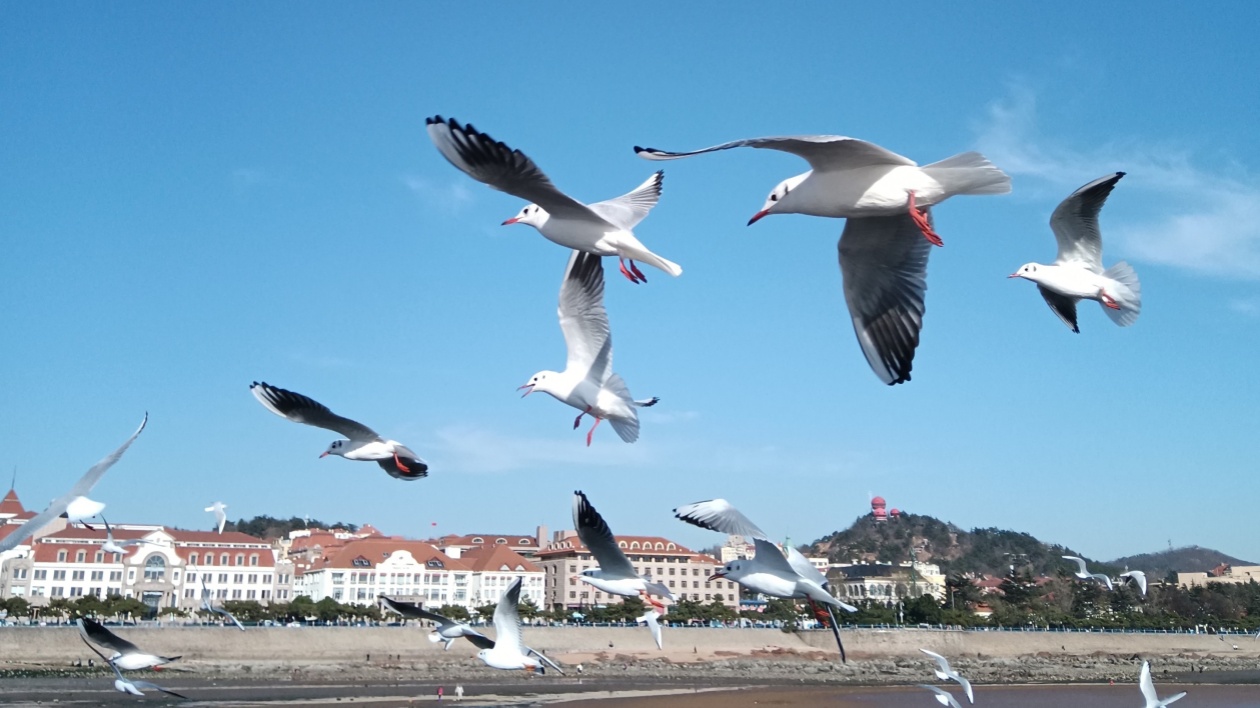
column 513, row 220
column 528, row 386
column 758, row 216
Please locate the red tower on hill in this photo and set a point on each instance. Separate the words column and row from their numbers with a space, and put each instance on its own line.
column 877, row 509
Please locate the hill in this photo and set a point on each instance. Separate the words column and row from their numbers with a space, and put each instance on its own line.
column 1189, row 559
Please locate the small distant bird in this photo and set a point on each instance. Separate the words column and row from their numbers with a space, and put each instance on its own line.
column 650, row 618
column 1138, row 578
column 616, row 574
column 363, row 444
column 126, row 656
column 448, row 630
column 218, row 509
column 1077, row 273
column 588, row 382
column 945, row 673
column 508, row 651
column 113, row 546
column 122, row 684
column 74, row 505
column 768, row 572
column 602, row 229
column 207, row 604
column 851, row 178
column 941, row 696
column 1147, row 687
column 1084, row 574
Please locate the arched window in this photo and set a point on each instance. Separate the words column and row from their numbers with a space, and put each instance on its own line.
column 621, row 544
column 634, row 545
column 61, row 556
column 670, row 547
column 192, row 559
column 524, row 541
column 500, row 541
column 223, row 559
column 80, row 556
column 253, row 559
column 660, row 546
column 478, row 540
column 100, row 556
column 240, row 559
column 155, row 568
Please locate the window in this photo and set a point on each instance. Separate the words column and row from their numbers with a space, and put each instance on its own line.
column 253, row 578
column 57, row 591
column 249, row 595
column 266, row 594
column 20, row 573
column 98, row 575
column 478, row 540
column 76, row 575
column 337, row 594
column 59, row 575
column 188, row 592
column 80, row 556
column 209, row 559
column 76, row 591
column 223, row 577
column 40, row 574
column 155, row 568
column 192, row 577
column 100, row 556
column 223, row 559
column 236, row 594
column 337, row 578
column 240, row 559
column 192, row 559
column 253, row 559
column 61, row 556
column 115, row 575
column 238, row 578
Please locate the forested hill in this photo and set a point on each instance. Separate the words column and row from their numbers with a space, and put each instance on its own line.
column 990, row 551
column 271, row 528
column 1190, row 559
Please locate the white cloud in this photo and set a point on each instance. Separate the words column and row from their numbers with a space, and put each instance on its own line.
column 1202, row 220
column 451, row 197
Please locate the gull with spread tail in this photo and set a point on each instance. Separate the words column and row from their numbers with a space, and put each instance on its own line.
column 1138, row 578
column 220, row 515
column 207, row 604
column 603, row 228
column 122, row 684
column 448, row 630
column 616, row 574
column 126, row 656
column 1083, row 573
column 508, row 651
column 1147, row 686
column 945, row 673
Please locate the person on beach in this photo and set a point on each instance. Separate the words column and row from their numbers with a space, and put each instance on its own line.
column 459, row 691
column 440, row 691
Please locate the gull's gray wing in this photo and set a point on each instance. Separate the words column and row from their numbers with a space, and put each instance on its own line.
column 302, row 409
column 414, row 611
column 491, row 162
column 94, row 631
column 1080, row 562
column 583, row 318
column 81, row 488
column 804, row 568
column 655, row 627
column 625, row 212
column 883, row 261
column 154, row 687
column 719, row 515
column 599, row 540
column 822, row 152
column 545, row 659
column 1062, row 306
column 1075, row 223
column 942, row 697
column 507, row 619
column 771, row 558
column 941, row 661
column 98, row 653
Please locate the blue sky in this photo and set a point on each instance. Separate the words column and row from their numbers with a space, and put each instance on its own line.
column 194, row 197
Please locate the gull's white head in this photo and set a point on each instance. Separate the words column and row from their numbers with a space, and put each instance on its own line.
column 338, row 447
column 1028, row 271
column 532, row 215
column 483, row 654
column 775, row 202
column 540, row 381
column 731, row 571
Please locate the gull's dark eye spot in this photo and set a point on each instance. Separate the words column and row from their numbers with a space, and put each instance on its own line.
column 774, row 197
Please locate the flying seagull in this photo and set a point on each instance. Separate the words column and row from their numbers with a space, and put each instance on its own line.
column 448, row 630
column 207, row 604
column 615, row 574
column 74, row 505
column 851, row 178
column 945, row 673
column 1077, row 273
column 363, row 443
column 768, row 572
column 588, row 382
column 1084, row 574
column 219, row 515
column 126, row 656
column 1138, row 578
column 941, row 696
column 120, row 547
column 122, row 684
column 602, row 229
column 1147, row 687
column 650, row 618
column 508, row 651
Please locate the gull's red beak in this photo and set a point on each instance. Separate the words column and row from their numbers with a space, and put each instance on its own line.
column 1013, row 275
column 528, row 386
column 513, row 220
column 715, row 576
column 757, row 217
column 324, row 454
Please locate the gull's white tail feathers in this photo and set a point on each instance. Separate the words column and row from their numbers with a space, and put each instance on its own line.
column 1127, row 292
column 969, row 173
column 637, row 252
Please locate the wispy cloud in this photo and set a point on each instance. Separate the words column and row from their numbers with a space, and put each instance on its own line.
column 451, row 197
column 1202, row 220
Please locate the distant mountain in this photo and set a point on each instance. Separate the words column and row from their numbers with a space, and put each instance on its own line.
column 1190, row 559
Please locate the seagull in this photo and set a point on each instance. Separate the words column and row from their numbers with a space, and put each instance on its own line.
column 941, row 696
column 448, row 630
column 603, row 228
column 1084, row 574
column 588, row 382
column 208, row 606
column 944, row 673
column 363, row 444
column 1077, row 272
column 1138, row 578
column 126, row 656
column 851, row 178
column 119, row 547
column 651, row 618
column 508, row 652
column 219, row 514
column 123, row 684
column 74, row 505
column 768, row 572
column 1148, row 690
column 615, row 574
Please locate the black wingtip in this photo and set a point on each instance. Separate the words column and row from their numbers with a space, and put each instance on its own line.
column 638, row 149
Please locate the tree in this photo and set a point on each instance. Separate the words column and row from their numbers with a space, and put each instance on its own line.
column 328, row 610
column 486, row 612
column 459, row 613
column 89, row 606
column 528, row 609
column 16, row 606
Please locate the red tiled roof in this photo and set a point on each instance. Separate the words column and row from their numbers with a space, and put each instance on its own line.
column 10, row 504
column 628, row 544
column 376, row 550
column 495, row 558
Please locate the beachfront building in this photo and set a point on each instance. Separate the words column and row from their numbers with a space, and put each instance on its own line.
column 884, row 582
column 527, row 546
column 685, row 572
column 1223, row 573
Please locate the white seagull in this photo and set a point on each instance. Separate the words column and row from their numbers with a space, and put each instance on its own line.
column 851, row 178
column 219, row 514
column 1138, row 578
column 1077, row 272
column 1084, row 574
column 945, row 673
column 941, row 696
column 74, row 505
column 650, row 618
column 208, row 605
column 126, row 656
column 768, row 572
column 1148, row 690
column 615, row 574
column 508, row 651
column 448, row 630
column 120, row 547
column 363, row 444
column 122, row 684
column 603, row 228
column 588, row 382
